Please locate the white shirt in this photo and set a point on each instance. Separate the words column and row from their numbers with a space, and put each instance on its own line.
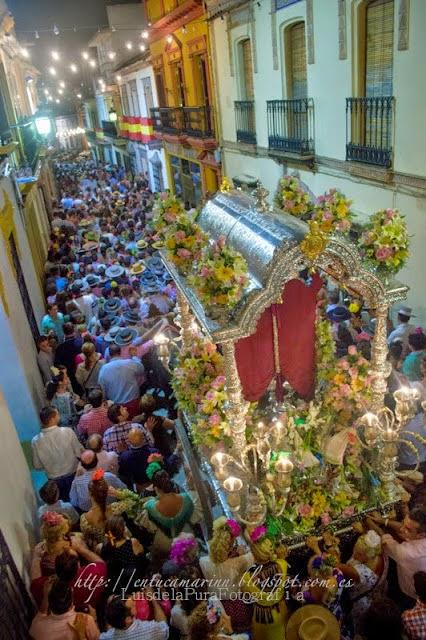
column 139, row 630
column 55, row 450
column 410, row 557
column 225, row 577
column 401, row 332
column 88, row 305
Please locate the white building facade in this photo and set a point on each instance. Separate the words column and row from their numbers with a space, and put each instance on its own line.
column 334, row 91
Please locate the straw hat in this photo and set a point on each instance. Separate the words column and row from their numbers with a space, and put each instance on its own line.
column 313, row 622
column 141, row 244
column 137, row 269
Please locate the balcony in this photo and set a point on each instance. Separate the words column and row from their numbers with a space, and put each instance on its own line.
column 369, row 130
column 291, row 128
column 170, row 18
column 245, row 123
column 109, row 129
column 185, row 123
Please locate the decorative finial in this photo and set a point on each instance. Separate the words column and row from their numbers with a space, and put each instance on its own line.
column 261, row 195
column 314, row 242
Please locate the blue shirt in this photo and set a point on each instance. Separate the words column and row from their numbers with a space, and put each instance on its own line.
column 48, row 324
column 61, row 283
column 79, row 492
column 121, row 379
column 67, row 203
column 411, row 367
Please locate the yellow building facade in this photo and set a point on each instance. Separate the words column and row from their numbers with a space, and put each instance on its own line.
column 185, row 117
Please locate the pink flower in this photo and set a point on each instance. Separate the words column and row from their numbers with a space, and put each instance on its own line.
column 344, row 364
column 327, row 215
column 164, row 196
column 383, row 253
column 235, row 527
column 214, row 420
column 348, row 511
column 180, row 235
column 325, row 518
column 205, row 272
column 305, row 510
column 210, row 395
column 289, row 204
column 169, row 217
column 390, row 213
column 353, row 372
column 218, row 382
column 352, row 350
column 345, row 390
column 184, row 253
column 258, row 533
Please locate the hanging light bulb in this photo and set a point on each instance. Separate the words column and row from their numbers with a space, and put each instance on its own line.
column 37, row 35
column 74, row 29
column 111, row 55
column 79, row 96
column 118, row 78
column 52, row 71
column 145, row 34
column 73, row 68
column 184, row 29
column 129, row 45
column 100, row 81
column 57, row 101
column 169, row 39
column 60, row 91
column 56, row 29
column 113, row 29
column 62, row 84
column 46, row 92
column 142, row 47
column 25, row 53
column 85, row 55
column 49, row 98
column 55, row 55
column 92, row 63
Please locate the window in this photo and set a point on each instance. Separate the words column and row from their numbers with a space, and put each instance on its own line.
column 147, row 92
column 246, row 70
column 20, row 279
column 125, row 100
column 157, row 175
column 178, row 84
column 136, row 110
column 201, row 80
column 161, row 92
column 297, row 85
column 379, row 27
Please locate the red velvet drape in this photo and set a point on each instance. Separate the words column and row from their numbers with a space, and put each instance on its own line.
column 296, row 336
column 255, row 359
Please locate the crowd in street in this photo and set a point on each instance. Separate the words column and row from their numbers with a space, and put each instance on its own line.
column 121, row 551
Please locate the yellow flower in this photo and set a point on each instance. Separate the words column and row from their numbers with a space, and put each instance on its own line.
column 357, row 384
column 223, row 274
column 339, row 378
column 222, row 298
column 171, row 244
column 326, row 226
column 341, row 210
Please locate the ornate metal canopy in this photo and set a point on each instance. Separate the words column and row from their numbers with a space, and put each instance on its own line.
column 270, row 244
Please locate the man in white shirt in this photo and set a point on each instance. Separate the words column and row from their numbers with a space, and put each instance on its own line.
column 120, row 615
column 56, row 451
column 403, row 329
column 87, row 303
column 410, row 555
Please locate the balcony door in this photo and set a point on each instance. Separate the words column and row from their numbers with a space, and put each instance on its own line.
column 161, row 91
column 147, row 92
column 246, row 70
column 201, row 80
column 178, row 84
column 297, row 84
column 379, row 28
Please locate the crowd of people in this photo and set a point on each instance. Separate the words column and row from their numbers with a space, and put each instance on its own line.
column 121, row 552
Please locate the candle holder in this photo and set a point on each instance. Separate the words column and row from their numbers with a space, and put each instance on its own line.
column 283, row 471
column 219, row 461
column 371, row 426
column 233, row 486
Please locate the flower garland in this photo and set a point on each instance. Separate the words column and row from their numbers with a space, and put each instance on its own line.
column 221, row 276
column 291, row 198
column 325, row 350
column 184, row 241
column 333, row 212
column 199, row 386
column 384, row 240
column 349, row 390
column 167, row 208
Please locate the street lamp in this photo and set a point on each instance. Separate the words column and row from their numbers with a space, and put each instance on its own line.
column 43, row 122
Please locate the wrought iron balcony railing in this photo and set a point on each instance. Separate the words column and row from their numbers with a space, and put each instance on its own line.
column 291, row 126
column 109, row 128
column 245, row 121
column 369, row 130
column 195, row 122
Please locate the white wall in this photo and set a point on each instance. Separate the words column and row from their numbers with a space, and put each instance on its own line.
column 17, row 499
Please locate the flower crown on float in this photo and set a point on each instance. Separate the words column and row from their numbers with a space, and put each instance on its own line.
column 232, row 525
column 155, row 464
column 52, row 518
column 214, row 610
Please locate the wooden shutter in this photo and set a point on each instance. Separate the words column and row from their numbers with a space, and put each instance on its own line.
column 298, row 72
column 247, row 68
column 379, row 48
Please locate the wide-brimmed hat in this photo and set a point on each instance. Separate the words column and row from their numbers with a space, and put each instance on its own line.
column 339, row 314
column 313, row 622
column 131, row 317
column 141, row 244
column 90, row 246
column 92, row 280
column 115, row 271
column 137, row 269
column 85, row 223
column 112, row 306
column 125, row 336
column 112, row 333
column 406, row 311
column 78, row 286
